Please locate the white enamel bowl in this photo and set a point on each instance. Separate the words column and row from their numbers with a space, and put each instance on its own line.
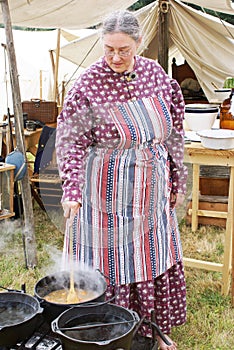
column 217, row 138
column 222, row 94
column 200, row 116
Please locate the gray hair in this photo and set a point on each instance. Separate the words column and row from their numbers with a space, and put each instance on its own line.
column 122, row 22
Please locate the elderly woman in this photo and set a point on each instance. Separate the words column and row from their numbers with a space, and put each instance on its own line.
column 120, row 156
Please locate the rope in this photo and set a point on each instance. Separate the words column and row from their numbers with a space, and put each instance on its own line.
column 89, row 51
column 5, row 73
column 221, row 20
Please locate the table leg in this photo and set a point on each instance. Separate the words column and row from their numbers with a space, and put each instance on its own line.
column 229, row 241
column 195, row 196
column 228, row 237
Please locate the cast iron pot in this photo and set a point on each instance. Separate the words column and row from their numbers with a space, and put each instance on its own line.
column 100, row 326
column 19, row 317
column 90, row 280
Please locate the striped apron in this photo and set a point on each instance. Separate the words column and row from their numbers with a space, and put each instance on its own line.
column 125, row 226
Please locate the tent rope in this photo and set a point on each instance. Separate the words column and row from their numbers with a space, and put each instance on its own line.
column 89, row 51
column 221, row 20
column 5, row 73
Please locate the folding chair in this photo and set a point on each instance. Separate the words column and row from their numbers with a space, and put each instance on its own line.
column 45, row 182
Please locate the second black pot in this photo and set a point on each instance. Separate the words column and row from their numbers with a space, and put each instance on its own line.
column 111, row 327
column 19, row 317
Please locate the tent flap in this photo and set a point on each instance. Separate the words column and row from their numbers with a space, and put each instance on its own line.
column 68, row 14
column 77, row 14
column 205, row 43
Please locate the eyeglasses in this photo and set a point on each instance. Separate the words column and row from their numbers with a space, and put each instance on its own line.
column 120, row 53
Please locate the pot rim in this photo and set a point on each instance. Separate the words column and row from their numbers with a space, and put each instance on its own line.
column 66, row 272
column 56, row 329
column 21, row 294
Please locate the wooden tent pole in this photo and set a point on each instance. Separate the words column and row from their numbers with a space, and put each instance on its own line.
column 53, row 68
column 41, row 88
column 56, row 67
column 30, row 241
column 63, row 92
column 52, row 62
column 163, row 33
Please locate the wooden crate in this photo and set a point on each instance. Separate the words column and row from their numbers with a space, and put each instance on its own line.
column 213, row 186
column 214, row 180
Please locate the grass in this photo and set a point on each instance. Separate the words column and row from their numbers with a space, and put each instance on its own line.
column 13, row 268
column 210, row 316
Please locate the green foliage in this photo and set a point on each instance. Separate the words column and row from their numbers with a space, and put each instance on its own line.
column 29, row 29
column 222, row 16
column 139, row 4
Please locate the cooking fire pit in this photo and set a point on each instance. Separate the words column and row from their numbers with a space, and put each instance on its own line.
column 44, row 339
column 100, row 325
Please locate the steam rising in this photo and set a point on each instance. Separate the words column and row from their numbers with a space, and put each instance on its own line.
column 8, row 229
column 86, row 279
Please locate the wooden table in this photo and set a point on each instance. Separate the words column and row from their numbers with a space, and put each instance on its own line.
column 197, row 155
column 31, row 140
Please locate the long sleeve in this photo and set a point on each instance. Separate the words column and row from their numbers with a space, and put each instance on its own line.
column 175, row 142
column 73, row 138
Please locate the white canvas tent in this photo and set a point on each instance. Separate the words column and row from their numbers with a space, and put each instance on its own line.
column 79, row 14
column 204, row 42
column 34, row 65
column 76, row 14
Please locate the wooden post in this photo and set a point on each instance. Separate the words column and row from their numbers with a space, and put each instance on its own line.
column 30, row 241
column 52, row 62
column 163, row 33
column 56, row 97
column 63, row 94
column 41, row 83
column 232, row 228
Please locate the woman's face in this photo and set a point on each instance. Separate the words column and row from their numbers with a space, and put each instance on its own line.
column 119, row 51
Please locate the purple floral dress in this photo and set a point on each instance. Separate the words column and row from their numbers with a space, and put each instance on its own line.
column 120, row 153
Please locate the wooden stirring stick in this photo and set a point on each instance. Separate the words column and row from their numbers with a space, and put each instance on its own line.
column 72, row 297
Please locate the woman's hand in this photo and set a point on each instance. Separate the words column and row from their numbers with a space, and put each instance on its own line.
column 70, row 209
column 176, row 199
